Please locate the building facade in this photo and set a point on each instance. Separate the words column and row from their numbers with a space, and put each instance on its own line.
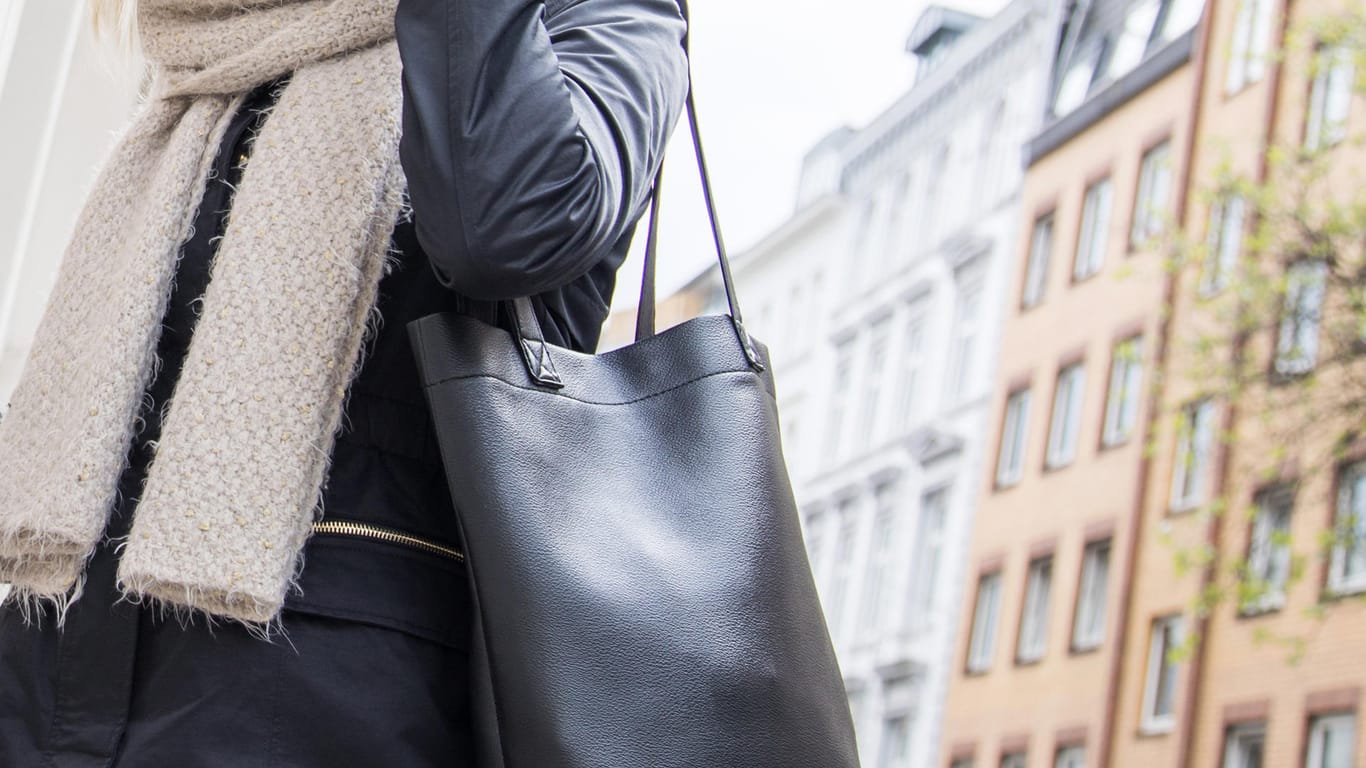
column 1042, row 626
column 878, row 298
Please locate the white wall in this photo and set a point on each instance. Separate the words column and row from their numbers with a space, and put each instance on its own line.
column 62, row 99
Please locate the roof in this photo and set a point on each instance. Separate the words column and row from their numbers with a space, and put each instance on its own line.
column 935, row 24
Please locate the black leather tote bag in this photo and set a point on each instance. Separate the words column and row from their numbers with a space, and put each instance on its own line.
column 641, row 590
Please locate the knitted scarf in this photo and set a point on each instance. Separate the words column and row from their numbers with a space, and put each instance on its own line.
column 232, row 493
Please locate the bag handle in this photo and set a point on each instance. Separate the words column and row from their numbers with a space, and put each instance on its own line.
column 530, row 337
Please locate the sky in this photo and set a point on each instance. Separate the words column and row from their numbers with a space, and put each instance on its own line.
column 771, row 79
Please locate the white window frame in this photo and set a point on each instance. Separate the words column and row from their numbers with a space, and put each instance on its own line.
column 815, row 536
column 869, row 426
column 880, row 557
column 1126, row 387
column 846, row 542
column 1224, row 243
column 1347, row 568
column 1093, row 592
column 1093, row 236
column 912, row 363
column 1064, row 429
column 927, row 556
column 1332, row 741
column 841, row 395
column 1040, row 255
column 1168, row 632
column 1133, row 39
column 1249, row 45
column 1268, row 555
column 1297, row 339
column 1075, row 85
column 1032, row 643
column 982, row 639
column 1014, row 434
column 1239, row 740
column 1072, row 756
column 1194, row 449
column 1152, row 203
column 1182, row 16
column 1330, row 97
column 966, row 333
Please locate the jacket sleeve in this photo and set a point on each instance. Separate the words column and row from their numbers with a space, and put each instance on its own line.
column 532, row 132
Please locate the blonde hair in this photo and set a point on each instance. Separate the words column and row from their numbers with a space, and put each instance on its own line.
column 116, row 20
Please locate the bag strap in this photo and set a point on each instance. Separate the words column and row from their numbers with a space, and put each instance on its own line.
column 530, row 336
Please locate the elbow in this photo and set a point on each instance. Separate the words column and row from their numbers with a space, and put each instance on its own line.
column 524, row 250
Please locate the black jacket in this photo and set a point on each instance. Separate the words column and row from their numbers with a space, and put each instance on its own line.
column 531, row 135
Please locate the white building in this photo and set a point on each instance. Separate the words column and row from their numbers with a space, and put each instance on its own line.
column 881, row 300
column 62, row 99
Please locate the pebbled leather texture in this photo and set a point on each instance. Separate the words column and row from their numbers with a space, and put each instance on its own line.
column 641, row 590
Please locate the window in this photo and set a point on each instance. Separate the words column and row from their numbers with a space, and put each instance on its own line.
column 1347, row 570
column 961, row 762
column 961, row 383
column 1330, row 97
column 1297, row 345
column 926, row 555
column 1066, row 423
column 1033, row 641
column 1088, row 626
column 912, row 360
column 1095, row 230
column 1247, row 49
column 880, row 559
column 844, row 561
column 1182, row 16
column 1154, row 195
column 1126, row 382
column 1036, row 270
column 896, row 742
column 1159, row 693
column 1074, row 85
column 1225, row 243
column 1014, row 760
column 1268, row 557
column 1010, row 462
column 1195, row 433
column 840, row 395
column 1070, row 757
column 982, row 643
column 1133, row 38
column 1332, row 741
column 869, row 426
column 1244, row 746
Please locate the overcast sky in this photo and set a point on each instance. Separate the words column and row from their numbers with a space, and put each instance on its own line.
column 771, row 80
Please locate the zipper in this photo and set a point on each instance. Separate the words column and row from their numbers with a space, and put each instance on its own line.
column 379, row 533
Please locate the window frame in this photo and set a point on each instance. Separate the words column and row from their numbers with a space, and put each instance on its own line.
column 1196, row 438
column 1249, row 45
column 1038, row 260
column 1313, row 752
column 1237, row 736
column 1126, row 381
column 981, row 651
column 927, row 538
column 1265, row 553
column 1070, row 755
column 1350, row 478
column 1015, row 436
column 1161, row 670
column 1093, row 229
column 1061, row 451
column 1147, row 222
column 1283, row 366
column 1031, row 637
column 1332, row 66
column 1224, row 244
column 880, row 558
column 1087, row 587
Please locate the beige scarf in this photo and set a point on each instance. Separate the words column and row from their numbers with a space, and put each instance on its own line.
column 232, row 492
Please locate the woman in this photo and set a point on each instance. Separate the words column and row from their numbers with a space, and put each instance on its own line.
column 264, row 569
